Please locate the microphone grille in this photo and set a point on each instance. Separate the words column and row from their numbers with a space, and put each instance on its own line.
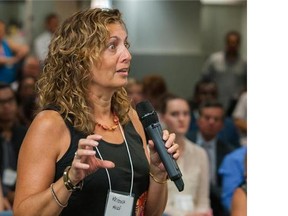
column 144, row 107
column 146, row 113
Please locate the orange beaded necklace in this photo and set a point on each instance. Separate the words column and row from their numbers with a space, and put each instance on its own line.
column 111, row 128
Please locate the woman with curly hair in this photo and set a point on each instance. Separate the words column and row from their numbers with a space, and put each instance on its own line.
column 85, row 152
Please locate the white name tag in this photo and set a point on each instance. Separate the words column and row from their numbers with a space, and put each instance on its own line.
column 119, row 204
column 184, row 202
column 9, row 177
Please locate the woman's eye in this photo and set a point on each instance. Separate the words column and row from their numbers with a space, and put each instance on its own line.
column 127, row 45
column 111, row 46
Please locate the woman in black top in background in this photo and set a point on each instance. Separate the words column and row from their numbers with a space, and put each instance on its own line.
column 85, row 152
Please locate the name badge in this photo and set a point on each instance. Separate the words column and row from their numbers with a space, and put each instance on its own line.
column 184, row 202
column 9, row 177
column 119, row 204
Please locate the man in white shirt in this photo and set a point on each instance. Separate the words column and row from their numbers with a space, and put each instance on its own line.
column 42, row 42
column 228, row 69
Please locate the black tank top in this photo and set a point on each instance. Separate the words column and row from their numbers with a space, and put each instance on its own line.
column 91, row 200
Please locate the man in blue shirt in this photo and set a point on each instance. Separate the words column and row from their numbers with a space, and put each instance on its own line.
column 232, row 171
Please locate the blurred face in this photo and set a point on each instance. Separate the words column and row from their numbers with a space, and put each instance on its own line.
column 177, row 116
column 232, row 43
column 206, row 92
column 31, row 68
column 113, row 68
column 8, row 106
column 52, row 24
column 210, row 121
column 27, row 88
column 135, row 92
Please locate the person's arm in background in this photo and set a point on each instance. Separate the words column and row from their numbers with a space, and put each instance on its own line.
column 157, row 193
column 1, row 198
column 19, row 50
column 239, row 203
column 4, row 203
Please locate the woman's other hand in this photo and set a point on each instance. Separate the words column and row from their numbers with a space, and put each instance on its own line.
column 85, row 161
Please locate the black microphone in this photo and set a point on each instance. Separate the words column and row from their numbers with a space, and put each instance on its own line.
column 150, row 122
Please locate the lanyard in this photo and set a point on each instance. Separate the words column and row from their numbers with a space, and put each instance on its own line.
column 130, row 160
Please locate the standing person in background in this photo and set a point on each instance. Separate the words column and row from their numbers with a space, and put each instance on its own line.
column 228, row 69
column 43, row 40
column 96, row 155
column 11, row 54
column 193, row 163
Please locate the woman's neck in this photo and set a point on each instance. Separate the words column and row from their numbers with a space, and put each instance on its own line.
column 101, row 103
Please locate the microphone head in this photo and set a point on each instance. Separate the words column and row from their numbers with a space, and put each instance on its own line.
column 146, row 113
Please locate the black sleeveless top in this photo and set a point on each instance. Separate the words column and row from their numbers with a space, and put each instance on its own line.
column 91, row 200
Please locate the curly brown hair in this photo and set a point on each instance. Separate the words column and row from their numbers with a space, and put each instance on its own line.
column 75, row 47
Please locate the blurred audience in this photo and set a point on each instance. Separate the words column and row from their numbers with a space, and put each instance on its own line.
column 206, row 90
column 210, row 122
column 134, row 90
column 228, row 69
column 193, row 162
column 232, row 171
column 30, row 68
column 11, row 55
column 42, row 42
column 154, row 86
column 11, row 137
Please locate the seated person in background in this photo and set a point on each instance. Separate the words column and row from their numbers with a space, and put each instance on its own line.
column 239, row 200
column 154, row 86
column 31, row 67
column 232, row 173
column 134, row 90
column 11, row 137
column 11, row 55
column 26, row 98
column 193, row 163
column 210, row 122
column 206, row 90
